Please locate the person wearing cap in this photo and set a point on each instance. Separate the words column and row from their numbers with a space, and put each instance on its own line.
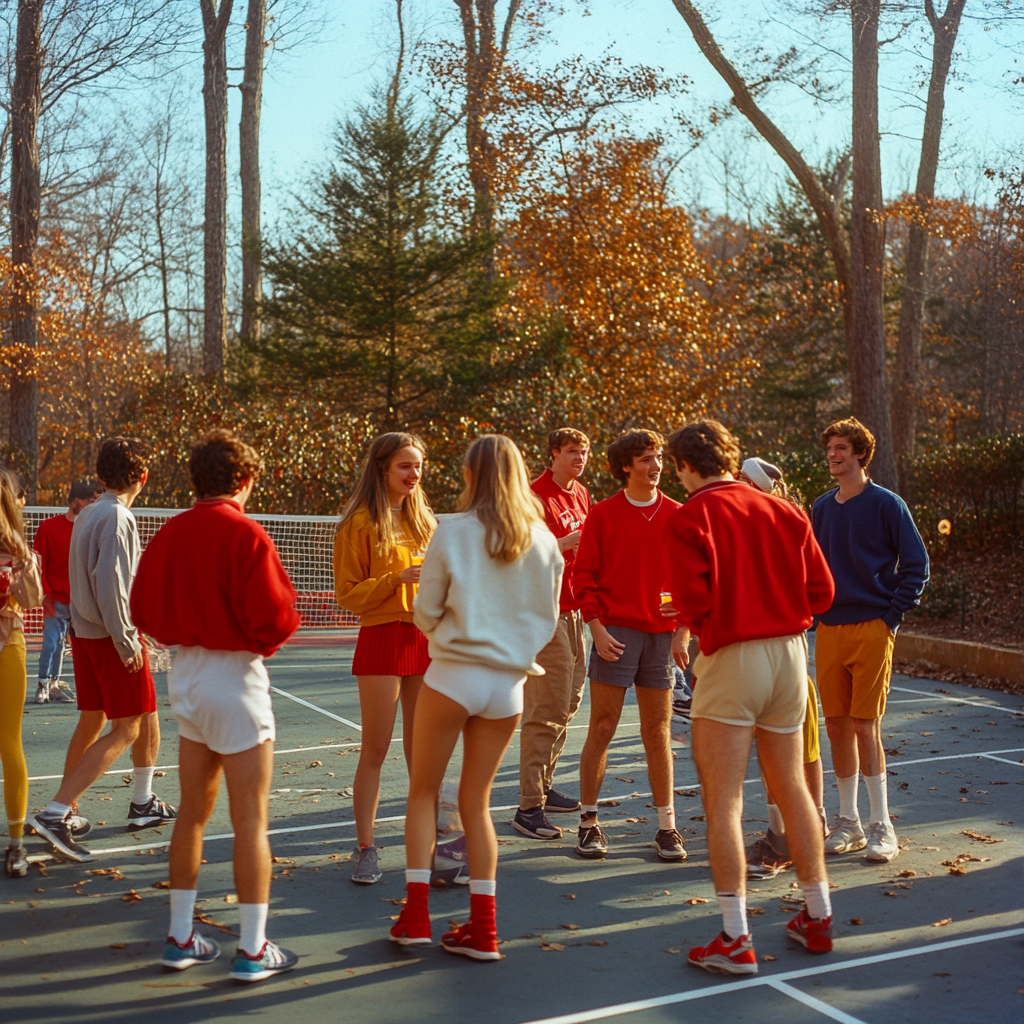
column 52, row 543
column 770, row 854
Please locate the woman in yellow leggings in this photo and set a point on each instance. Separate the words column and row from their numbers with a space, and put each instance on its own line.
column 20, row 587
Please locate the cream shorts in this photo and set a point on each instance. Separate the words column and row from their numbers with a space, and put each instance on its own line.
column 221, row 698
column 483, row 691
column 755, row 682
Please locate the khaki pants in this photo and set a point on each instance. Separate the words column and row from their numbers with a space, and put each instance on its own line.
column 551, row 701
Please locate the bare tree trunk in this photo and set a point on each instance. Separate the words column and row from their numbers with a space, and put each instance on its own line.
column 215, row 241
column 866, row 347
column 249, row 139
column 26, row 100
column 908, row 345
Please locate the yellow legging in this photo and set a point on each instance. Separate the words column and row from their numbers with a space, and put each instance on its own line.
column 12, row 754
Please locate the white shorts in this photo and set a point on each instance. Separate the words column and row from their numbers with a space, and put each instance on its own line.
column 221, row 698
column 483, row 691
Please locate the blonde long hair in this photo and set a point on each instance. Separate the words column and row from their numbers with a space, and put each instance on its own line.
column 12, row 523
column 498, row 491
column 371, row 493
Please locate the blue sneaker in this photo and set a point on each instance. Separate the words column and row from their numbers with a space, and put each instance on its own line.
column 271, row 960
column 198, row 950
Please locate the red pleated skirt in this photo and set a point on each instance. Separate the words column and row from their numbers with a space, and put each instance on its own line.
column 390, row 649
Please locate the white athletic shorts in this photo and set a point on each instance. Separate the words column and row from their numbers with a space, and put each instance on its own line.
column 483, row 691
column 221, row 698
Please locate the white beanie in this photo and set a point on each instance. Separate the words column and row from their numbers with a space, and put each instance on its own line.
column 762, row 474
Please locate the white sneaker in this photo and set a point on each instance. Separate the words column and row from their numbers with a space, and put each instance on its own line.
column 43, row 692
column 844, row 835
column 881, row 844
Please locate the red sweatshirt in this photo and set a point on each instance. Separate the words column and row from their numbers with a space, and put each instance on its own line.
column 564, row 512
column 53, row 542
column 211, row 578
column 744, row 565
column 619, row 572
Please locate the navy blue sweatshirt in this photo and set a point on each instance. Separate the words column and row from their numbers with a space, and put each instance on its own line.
column 876, row 555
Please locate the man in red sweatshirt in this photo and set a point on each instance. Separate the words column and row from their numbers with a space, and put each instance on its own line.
column 618, row 578
column 211, row 583
column 747, row 576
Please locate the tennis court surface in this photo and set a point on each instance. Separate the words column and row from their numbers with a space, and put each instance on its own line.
column 935, row 936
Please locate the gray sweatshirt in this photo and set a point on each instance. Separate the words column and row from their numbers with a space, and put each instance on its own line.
column 105, row 552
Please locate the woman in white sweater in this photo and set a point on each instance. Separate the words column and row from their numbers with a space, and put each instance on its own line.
column 488, row 603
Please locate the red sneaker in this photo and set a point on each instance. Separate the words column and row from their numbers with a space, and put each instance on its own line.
column 726, row 956
column 816, row 935
column 413, row 925
column 478, row 937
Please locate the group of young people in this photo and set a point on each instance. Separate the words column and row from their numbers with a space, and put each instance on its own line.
column 475, row 622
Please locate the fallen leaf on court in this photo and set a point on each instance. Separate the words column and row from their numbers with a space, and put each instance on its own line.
column 105, row 871
column 161, row 885
column 569, row 895
column 610, row 803
column 963, row 789
column 794, row 885
column 1010, row 823
column 40, row 890
column 687, row 792
column 697, row 817
column 755, row 910
column 101, row 823
column 856, row 920
column 694, row 900
column 316, row 764
column 998, row 783
column 231, row 898
column 935, row 849
column 908, row 873
column 597, row 942
column 893, row 751
column 159, row 775
column 552, row 945
column 622, row 778
column 119, row 945
column 768, row 958
column 131, row 896
column 126, row 779
column 397, row 902
column 979, row 837
column 570, row 927
column 330, row 775
column 203, row 919
column 633, row 821
column 941, row 974
column 890, row 894
column 283, row 860
column 955, row 869
column 943, row 922
column 108, row 798
column 905, row 885
column 347, row 791
column 927, row 734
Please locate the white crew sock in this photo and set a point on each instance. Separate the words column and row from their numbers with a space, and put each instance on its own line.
column 183, row 907
column 252, row 923
column 734, row 914
column 666, row 817
column 819, row 905
column 848, row 797
column 483, row 886
column 417, row 875
column 57, row 810
column 775, row 822
column 878, row 795
column 588, row 809
column 143, row 784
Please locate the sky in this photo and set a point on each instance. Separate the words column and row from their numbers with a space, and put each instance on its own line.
column 348, row 45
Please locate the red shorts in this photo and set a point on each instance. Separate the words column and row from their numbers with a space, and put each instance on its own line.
column 104, row 684
column 390, row 649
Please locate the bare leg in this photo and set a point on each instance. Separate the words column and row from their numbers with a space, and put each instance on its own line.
column 485, row 741
column 605, row 710
column 378, row 705
column 248, row 776
column 98, row 758
column 410, row 691
column 814, row 776
column 869, row 745
column 720, row 753
column 199, row 769
column 655, row 734
column 842, row 737
column 87, row 732
column 147, row 746
column 436, row 728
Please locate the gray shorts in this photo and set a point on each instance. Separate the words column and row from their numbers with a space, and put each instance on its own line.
column 646, row 661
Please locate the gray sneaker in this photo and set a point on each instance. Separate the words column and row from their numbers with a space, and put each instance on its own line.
column 844, row 836
column 881, row 842
column 366, row 870
column 61, row 694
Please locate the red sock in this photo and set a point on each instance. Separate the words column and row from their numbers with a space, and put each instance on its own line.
column 482, row 919
column 414, row 921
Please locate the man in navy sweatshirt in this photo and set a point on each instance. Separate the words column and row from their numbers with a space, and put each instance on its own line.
column 880, row 567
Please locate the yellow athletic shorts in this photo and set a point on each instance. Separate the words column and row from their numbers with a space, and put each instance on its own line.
column 812, row 741
column 854, row 668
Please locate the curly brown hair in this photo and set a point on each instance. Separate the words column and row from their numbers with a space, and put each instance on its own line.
column 559, row 438
column 623, row 449
column 121, row 462
column 220, row 463
column 860, row 437
column 707, row 447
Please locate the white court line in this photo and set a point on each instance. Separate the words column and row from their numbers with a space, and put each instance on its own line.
column 313, row 707
column 959, row 700
column 736, row 986
column 1005, row 760
column 814, row 1004
column 944, row 757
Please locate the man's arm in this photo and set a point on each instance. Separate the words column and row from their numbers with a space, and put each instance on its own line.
column 912, row 568
column 821, row 587
column 432, row 591
column 689, row 572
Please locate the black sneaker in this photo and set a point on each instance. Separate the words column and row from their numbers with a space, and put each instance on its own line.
column 57, row 832
column 16, row 862
column 150, row 815
column 559, row 803
column 532, row 823
column 592, row 842
column 669, row 844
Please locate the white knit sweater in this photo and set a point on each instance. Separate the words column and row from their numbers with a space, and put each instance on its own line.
column 474, row 608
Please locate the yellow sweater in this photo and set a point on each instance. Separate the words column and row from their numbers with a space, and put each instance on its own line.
column 367, row 584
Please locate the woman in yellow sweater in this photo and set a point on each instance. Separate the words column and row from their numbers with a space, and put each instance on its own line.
column 384, row 531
